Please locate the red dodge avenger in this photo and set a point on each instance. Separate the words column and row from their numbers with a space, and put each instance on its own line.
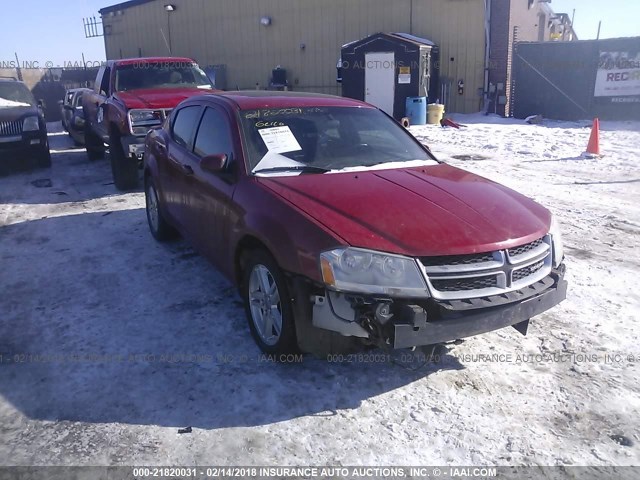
column 339, row 228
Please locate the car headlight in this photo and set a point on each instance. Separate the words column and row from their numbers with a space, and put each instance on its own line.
column 556, row 239
column 31, row 124
column 141, row 121
column 366, row 271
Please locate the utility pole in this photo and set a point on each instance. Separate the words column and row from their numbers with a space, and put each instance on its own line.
column 411, row 17
column 599, row 27
column 18, row 69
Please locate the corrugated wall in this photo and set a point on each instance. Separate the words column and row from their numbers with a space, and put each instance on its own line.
column 229, row 32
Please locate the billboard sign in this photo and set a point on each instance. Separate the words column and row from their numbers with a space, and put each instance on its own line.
column 618, row 75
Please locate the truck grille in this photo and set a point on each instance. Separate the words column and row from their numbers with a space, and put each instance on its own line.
column 11, row 129
column 459, row 277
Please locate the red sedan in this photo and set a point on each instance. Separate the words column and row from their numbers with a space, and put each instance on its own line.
column 340, row 228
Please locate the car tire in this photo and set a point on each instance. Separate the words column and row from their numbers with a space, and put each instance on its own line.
column 158, row 225
column 94, row 145
column 124, row 169
column 270, row 316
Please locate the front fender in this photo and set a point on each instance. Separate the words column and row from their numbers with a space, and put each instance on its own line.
column 293, row 238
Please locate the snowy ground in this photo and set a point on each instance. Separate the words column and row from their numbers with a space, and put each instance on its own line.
column 110, row 342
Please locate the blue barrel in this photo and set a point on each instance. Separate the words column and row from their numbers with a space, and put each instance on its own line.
column 417, row 110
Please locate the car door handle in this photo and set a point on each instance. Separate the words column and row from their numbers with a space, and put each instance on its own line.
column 186, row 169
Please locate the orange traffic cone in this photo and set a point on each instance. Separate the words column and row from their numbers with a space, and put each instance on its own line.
column 593, row 149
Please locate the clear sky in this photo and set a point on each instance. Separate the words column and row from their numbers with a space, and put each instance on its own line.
column 49, row 31
column 620, row 18
column 52, row 31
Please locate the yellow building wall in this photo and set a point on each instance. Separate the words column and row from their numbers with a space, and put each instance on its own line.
column 229, row 32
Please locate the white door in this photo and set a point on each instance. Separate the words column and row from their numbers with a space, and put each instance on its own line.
column 379, row 80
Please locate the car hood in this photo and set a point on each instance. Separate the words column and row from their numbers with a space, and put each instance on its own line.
column 158, row 98
column 436, row 210
column 10, row 114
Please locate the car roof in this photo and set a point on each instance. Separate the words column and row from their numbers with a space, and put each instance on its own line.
column 11, row 80
column 257, row 99
column 131, row 61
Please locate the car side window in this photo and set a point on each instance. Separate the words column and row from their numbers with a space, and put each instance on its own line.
column 184, row 125
column 214, row 135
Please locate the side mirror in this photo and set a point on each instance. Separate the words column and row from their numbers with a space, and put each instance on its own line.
column 216, row 163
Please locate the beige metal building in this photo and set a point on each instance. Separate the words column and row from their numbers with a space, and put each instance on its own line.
column 249, row 38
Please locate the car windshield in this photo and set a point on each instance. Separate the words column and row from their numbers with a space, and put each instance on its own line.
column 160, row 75
column 15, row 94
column 326, row 139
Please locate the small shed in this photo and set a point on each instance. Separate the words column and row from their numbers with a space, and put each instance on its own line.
column 385, row 68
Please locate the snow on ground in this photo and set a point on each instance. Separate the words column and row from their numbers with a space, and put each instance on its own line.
column 111, row 342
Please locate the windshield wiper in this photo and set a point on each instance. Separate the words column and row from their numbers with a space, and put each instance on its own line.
column 296, row 168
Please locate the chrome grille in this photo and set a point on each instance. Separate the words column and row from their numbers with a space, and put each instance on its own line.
column 457, row 284
column 456, row 260
column 11, row 129
column 514, row 252
column 163, row 113
column 526, row 271
column 459, row 277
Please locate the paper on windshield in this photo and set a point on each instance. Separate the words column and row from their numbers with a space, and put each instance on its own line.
column 279, row 139
column 274, row 160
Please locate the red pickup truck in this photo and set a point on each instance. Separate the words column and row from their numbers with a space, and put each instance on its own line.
column 130, row 96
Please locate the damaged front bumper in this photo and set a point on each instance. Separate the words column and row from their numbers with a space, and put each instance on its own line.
column 405, row 323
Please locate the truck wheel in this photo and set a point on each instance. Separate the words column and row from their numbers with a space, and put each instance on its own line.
column 159, row 227
column 123, row 168
column 94, row 145
column 268, row 304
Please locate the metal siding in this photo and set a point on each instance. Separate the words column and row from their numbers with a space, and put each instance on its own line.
column 229, row 32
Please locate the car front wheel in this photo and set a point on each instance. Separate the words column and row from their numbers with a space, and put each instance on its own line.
column 268, row 305
column 159, row 227
column 123, row 168
column 94, row 145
